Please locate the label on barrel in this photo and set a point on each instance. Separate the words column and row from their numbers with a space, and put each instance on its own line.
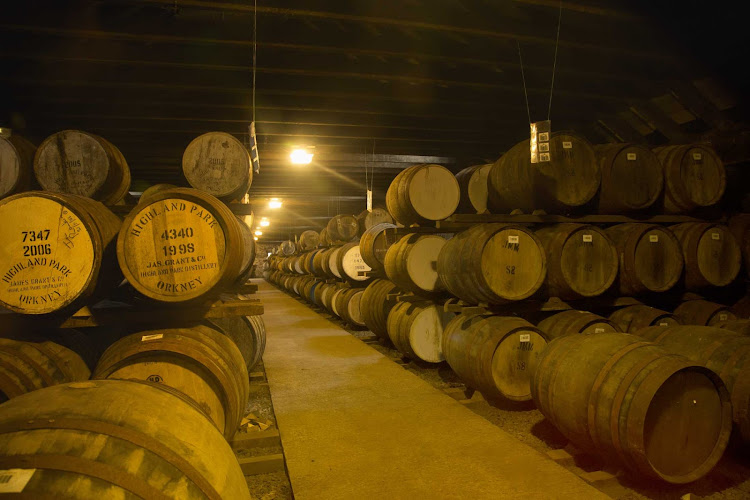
column 598, row 330
column 154, row 336
column 174, row 247
column 567, row 145
column 588, row 238
column 663, row 324
column 697, row 156
column 354, row 267
column 632, row 156
column 544, row 157
column 653, row 238
column 722, row 317
column 715, row 236
column 15, row 480
column 47, row 256
column 525, row 337
column 513, row 239
column 544, row 147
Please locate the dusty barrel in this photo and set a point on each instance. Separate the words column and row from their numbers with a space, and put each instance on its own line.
column 28, row 366
column 634, row 402
column 492, row 263
column 367, row 219
column 219, row 164
column 342, row 228
column 248, row 253
column 473, row 184
column 309, row 240
column 738, row 225
column 703, row 312
column 423, row 193
column 16, row 163
column 349, row 306
column 724, row 352
column 711, row 254
column 374, row 244
column 182, row 245
column 411, row 263
column 573, row 322
column 581, row 260
column 115, row 439
column 650, row 258
column 81, row 163
column 496, row 355
column 694, row 177
column 57, row 252
column 351, row 266
column 569, row 180
column 633, row 318
column 247, row 332
column 201, row 363
column 152, row 190
column 632, row 178
column 377, row 301
column 287, row 248
column 416, row 329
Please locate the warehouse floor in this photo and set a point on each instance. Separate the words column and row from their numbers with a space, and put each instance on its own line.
column 354, row 424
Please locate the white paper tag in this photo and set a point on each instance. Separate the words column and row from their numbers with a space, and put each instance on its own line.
column 567, row 145
column 598, row 330
column 369, row 200
column 544, row 157
column 512, row 239
column 632, row 156
column 15, row 480
column 153, row 336
column 525, row 337
column 653, row 238
column 697, row 156
column 715, row 236
column 544, row 147
column 663, row 324
column 544, row 137
column 588, row 238
column 723, row 317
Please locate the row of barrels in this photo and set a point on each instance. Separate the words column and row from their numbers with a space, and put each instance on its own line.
column 340, row 262
column 61, row 251
column 85, row 164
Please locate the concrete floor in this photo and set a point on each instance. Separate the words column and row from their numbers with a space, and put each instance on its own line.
column 355, row 425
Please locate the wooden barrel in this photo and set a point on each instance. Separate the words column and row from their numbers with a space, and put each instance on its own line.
column 650, row 258
column 182, row 245
column 416, row 329
column 28, row 366
column 575, row 322
column 724, row 352
column 377, row 301
column 332, row 305
column 568, row 181
column 581, row 260
column 411, row 263
column 703, row 312
column 288, row 248
column 327, row 294
column 333, row 262
column 350, row 265
column 219, row 164
column 741, row 326
column 248, row 252
column 634, row 402
column 309, row 239
column 423, row 193
column 200, row 362
column 317, row 267
column 632, row 178
column 349, row 306
column 315, row 292
column 342, row 228
column 152, row 190
column 16, row 163
column 633, row 318
column 496, row 355
column 115, row 439
column 76, row 162
column 367, row 219
column 712, row 256
column 374, row 244
column 473, row 184
column 324, row 241
column 694, row 177
column 57, row 252
column 492, row 263
column 738, row 225
column 247, row 332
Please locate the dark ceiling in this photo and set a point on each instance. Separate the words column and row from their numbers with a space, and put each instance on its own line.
column 399, row 80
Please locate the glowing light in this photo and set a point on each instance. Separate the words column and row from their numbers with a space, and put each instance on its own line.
column 264, row 222
column 274, row 203
column 301, row 157
column 258, row 233
column 255, row 238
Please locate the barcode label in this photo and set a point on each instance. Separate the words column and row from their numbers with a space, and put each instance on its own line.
column 154, row 336
column 715, row 236
column 587, row 238
column 543, row 156
column 525, row 337
column 653, row 238
column 543, row 137
column 512, row 239
column 567, row 145
column 544, row 147
column 697, row 156
column 15, row 480
column 632, row 156
column 598, row 330
column 722, row 317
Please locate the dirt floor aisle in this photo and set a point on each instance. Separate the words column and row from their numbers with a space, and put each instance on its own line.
column 355, row 425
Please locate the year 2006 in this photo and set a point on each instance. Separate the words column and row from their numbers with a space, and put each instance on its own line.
column 36, row 245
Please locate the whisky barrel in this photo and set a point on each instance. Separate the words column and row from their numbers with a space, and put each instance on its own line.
column 219, row 164
column 650, row 258
column 374, row 244
column 411, row 263
column 724, row 352
column 16, row 163
column 200, row 362
column 57, row 252
column 741, row 326
column 350, row 265
column 367, row 219
column 247, row 332
column 703, row 312
column 317, row 267
column 582, row 260
column 332, row 305
column 496, row 355
column 738, row 225
column 76, row 162
column 248, row 252
column 349, row 306
column 634, row 402
column 342, row 228
column 182, row 245
column 633, row 318
column 423, row 193
column 309, row 239
column 573, row 322
column 333, row 262
column 377, row 301
column 632, row 178
column 694, row 177
column 152, row 190
column 324, row 241
column 327, row 294
column 712, row 256
column 416, row 329
column 473, row 184
column 288, row 248
column 28, row 366
column 115, row 439
column 568, row 181
column 492, row 263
